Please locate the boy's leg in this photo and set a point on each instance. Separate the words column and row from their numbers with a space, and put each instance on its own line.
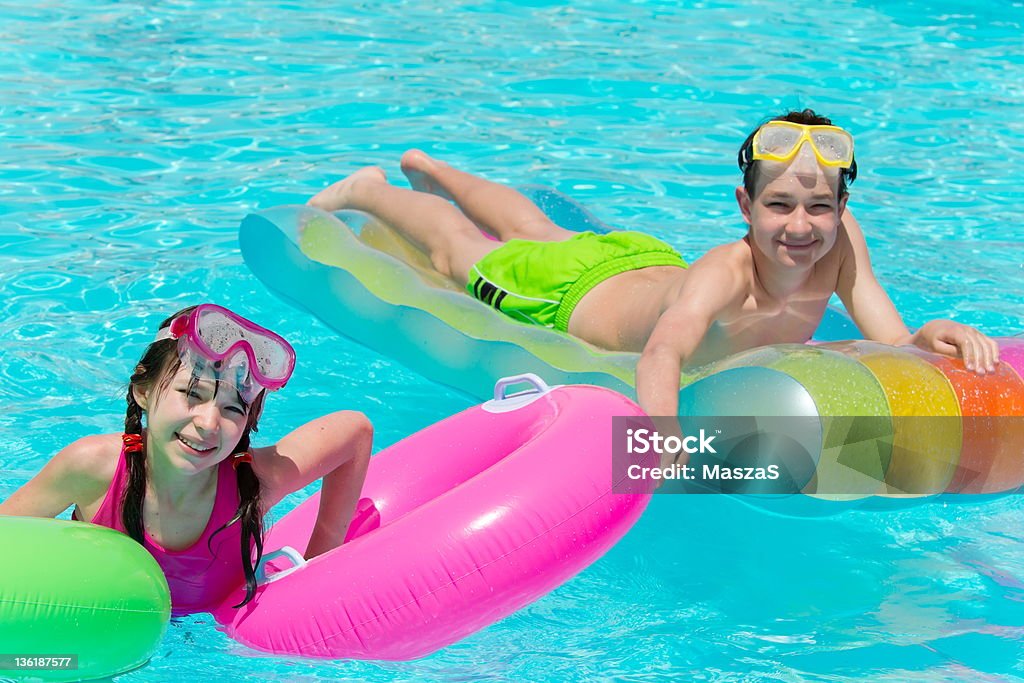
column 439, row 229
column 499, row 209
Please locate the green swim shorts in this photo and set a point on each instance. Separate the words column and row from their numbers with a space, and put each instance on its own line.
column 542, row 282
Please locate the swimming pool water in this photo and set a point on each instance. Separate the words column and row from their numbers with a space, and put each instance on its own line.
column 134, row 137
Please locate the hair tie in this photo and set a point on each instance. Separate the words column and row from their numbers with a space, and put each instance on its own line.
column 238, row 458
column 132, row 443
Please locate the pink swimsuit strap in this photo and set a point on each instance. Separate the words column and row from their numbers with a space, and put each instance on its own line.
column 202, row 574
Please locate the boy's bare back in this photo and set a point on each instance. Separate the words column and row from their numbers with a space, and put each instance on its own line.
column 621, row 313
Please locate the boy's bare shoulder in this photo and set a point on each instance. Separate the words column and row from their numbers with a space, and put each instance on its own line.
column 716, row 283
column 732, row 261
column 732, row 253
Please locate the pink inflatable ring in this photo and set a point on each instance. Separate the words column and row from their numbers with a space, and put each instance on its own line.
column 461, row 524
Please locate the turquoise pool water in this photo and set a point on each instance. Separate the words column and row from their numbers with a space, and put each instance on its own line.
column 135, row 138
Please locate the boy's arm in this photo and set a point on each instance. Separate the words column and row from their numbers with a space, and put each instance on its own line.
column 865, row 300
column 877, row 317
column 711, row 287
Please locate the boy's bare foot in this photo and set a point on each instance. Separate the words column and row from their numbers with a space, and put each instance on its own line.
column 338, row 195
column 420, row 169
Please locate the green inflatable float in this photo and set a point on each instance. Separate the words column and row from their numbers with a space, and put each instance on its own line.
column 77, row 601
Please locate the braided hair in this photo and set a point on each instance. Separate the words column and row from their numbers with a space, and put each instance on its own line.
column 155, row 369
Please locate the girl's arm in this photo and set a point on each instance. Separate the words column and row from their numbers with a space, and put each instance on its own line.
column 72, row 476
column 335, row 448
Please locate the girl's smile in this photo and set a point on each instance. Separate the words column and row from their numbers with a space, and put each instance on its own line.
column 196, row 447
column 195, row 423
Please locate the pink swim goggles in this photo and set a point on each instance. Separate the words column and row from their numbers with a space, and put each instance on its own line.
column 213, row 340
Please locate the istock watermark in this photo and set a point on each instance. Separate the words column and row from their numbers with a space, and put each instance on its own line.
column 641, row 441
column 646, row 440
column 839, row 456
column 705, row 455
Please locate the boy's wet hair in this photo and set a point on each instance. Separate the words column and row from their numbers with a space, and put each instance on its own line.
column 807, row 117
column 154, row 371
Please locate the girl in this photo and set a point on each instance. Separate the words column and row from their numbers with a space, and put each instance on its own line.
column 187, row 486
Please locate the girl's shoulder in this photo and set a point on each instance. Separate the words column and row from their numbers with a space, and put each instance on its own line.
column 79, row 474
column 89, row 463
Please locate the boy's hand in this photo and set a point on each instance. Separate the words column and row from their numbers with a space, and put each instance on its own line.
column 980, row 353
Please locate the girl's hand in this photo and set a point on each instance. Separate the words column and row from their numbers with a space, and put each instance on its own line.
column 980, row 353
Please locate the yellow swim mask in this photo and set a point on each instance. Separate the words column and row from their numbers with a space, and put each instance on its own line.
column 781, row 140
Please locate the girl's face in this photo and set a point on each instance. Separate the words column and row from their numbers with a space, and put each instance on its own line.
column 194, row 425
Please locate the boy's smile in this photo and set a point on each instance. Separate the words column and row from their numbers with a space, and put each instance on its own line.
column 794, row 217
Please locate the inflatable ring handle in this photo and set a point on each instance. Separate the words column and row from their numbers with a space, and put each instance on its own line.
column 538, row 385
column 296, row 558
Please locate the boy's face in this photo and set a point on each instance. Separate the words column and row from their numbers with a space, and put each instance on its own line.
column 794, row 216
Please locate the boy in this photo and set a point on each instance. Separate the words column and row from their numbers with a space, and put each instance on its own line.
column 627, row 291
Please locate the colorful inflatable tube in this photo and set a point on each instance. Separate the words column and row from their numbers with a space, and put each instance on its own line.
column 75, row 590
column 461, row 524
column 863, row 419
column 889, row 421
